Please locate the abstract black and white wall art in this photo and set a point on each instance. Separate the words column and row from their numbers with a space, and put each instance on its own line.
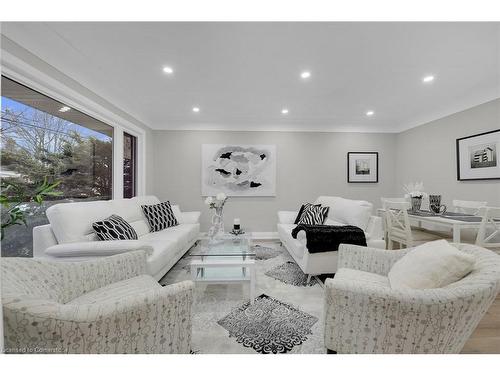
column 238, row 170
column 362, row 167
column 478, row 156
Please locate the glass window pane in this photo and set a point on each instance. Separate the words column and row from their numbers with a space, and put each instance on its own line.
column 129, row 165
column 42, row 138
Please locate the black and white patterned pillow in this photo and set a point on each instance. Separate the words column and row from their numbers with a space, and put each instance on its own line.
column 114, row 228
column 314, row 215
column 159, row 216
column 303, row 208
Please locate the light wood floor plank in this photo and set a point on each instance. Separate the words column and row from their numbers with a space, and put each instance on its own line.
column 486, row 338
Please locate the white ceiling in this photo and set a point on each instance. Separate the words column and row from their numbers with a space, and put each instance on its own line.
column 242, row 74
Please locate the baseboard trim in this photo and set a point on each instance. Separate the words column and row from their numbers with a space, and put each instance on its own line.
column 255, row 235
column 265, row 235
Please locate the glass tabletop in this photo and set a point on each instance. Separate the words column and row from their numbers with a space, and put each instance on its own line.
column 228, row 245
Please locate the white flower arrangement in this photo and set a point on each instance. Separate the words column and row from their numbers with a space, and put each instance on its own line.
column 217, row 201
column 414, row 189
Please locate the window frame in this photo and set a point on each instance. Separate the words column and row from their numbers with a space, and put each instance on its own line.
column 134, row 162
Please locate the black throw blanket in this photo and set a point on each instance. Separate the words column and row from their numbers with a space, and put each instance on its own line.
column 322, row 238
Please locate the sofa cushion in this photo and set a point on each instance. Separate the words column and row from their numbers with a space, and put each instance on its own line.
column 329, row 221
column 114, row 228
column 117, row 291
column 132, row 212
column 141, row 227
column 180, row 234
column 362, row 276
column 287, row 217
column 72, row 222
column 159, row 216
column 163, row 252
column 96, row 248
column 348, row 211
column 431, row 265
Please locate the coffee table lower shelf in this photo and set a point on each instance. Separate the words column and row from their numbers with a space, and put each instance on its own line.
column 219, row 272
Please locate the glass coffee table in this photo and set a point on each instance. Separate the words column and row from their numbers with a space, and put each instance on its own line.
column 229, row 260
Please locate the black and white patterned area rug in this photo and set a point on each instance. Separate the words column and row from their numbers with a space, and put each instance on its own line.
column 290, row 273
column 265, row 252
column 268, row 325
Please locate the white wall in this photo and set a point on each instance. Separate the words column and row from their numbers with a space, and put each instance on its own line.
column 308, row 165
column 427, row 153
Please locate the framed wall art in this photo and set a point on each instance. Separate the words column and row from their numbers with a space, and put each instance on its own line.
column 362, row 167
column 478, row 156
column 238, row 170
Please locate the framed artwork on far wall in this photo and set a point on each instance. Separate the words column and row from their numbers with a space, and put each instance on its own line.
column 478, row 156
column 362, row 167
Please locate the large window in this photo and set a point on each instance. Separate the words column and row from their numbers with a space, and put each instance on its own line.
column 42, row 138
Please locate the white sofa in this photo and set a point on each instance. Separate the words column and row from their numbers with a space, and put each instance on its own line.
column 342, row 212
column 70, row 237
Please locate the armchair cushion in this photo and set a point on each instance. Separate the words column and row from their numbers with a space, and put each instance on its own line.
column 118, row 291
column 364, row 277
column 431, row 265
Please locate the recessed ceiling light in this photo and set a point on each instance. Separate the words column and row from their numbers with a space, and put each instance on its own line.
column 370, row 113
column 305, row 74
column 428, row 79
column 196, row 109
column 64, row 109
column 284, row 111
column 168, row 70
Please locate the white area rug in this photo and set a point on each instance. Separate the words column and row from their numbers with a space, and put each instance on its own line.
column 214, row 303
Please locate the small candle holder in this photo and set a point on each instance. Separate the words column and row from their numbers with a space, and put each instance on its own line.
column 236, row 227
column 236, row 224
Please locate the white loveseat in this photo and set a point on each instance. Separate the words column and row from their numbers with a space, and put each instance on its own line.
column 70, row 237
column 342, row 212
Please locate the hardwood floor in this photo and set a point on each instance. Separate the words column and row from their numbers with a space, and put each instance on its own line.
column 486, row 337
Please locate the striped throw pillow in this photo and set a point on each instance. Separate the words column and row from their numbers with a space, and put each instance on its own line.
column 303, row 208
column 314, row 215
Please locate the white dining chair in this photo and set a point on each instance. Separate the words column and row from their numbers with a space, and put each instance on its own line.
column 488, row 234
column 384, row 221
column 398, row 228
column 467, row 207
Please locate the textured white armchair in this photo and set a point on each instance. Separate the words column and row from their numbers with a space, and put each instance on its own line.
column 364, row 315
column 110, row 305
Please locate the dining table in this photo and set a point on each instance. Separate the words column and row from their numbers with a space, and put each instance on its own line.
column 455, row 221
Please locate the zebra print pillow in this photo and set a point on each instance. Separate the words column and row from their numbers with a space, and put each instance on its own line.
column 314, row 215
column 114, row 228
column 304, row 207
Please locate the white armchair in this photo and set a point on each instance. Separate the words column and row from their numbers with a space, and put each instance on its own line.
column 108, row 305
column 363, row 314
